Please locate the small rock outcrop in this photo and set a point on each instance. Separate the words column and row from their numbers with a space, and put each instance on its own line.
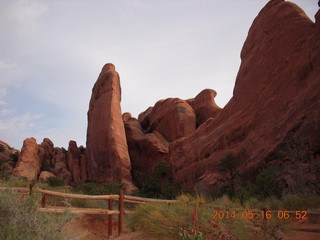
column 28, row 165
column 204, row 106
column 60, row 165
column 107, row 149
column 8, row 153
column 44, row 175
column 83, row 167
column 46, row 153
column 74, row 161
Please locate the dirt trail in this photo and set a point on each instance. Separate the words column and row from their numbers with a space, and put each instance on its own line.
column 91, row 227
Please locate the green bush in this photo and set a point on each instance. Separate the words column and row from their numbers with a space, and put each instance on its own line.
column 268, row 183
column 19, row 219
column 54, row 181
column 161, row 183
column 2, row 149
column 94, row 188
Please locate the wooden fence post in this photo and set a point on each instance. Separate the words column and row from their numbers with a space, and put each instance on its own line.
column 110, row 218
column 31, row 185
column 43, row 200
column 121, row 211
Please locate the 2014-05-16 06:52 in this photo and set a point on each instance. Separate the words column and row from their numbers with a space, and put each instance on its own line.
column 250, row 214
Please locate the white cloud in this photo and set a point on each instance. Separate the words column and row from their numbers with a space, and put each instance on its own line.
column 21, row 16
column 5, row 112
column 14, row 127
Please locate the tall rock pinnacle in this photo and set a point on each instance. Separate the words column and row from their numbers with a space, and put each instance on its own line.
column 107, row 149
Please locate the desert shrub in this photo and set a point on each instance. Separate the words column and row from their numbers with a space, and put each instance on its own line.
column 19, row 219
column 299, row 201
column 228, row 165
column 161, row 183
column 268, row 183
column 172, row 220
column 94, row 188
column 5, row 171
column 178, row 220
column 2, row 149
column 54, row 181
column 12, row 181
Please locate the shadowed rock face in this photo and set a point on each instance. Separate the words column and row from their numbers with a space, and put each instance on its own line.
column 74, row 161
column 60, row 166
column 145, row 149
column 107, row 150
column 46, row 152
column 28, row 165
column 275, row 101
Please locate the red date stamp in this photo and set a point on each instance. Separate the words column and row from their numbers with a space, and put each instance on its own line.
column 249, row 214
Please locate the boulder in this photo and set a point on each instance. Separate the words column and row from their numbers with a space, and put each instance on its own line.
column 107, row 149
column 28, row 165
column 44, row 175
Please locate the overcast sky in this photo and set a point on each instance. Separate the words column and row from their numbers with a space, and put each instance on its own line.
column 52, row 51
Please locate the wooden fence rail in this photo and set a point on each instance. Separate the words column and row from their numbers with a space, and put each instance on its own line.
column 121, row 199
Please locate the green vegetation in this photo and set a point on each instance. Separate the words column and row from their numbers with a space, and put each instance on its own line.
column 54, row 181
column 2, row 149
column 228, row 165
column 194, row 218
column 95, row 188
column 19, row 219
column 160, row 184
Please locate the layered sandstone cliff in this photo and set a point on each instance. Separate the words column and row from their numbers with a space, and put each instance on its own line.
column 275, row 101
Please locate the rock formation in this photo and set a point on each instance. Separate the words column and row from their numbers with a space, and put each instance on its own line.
column 83, row 167
column 46, row 153
column 28, row 165
column 60, row 166
column 74, row 161
column 204, row 106
column 107, row 150
column 7, row 153
column 145, row 149
column 174, row 118
column 275, row 101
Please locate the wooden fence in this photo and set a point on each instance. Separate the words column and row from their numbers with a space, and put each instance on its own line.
column 120, row 198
